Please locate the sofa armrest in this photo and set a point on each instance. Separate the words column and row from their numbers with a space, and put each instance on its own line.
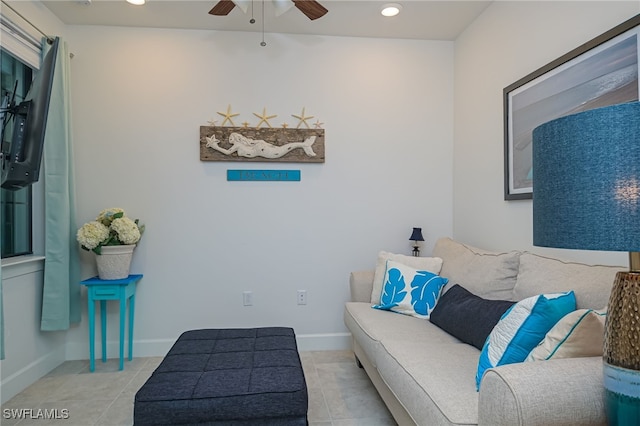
column 361, row 285
column 545, row 393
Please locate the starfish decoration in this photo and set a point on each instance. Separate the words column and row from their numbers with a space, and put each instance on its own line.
column 264, row 118
column 285, row 125
column 245, row 124
column 212, row 122
column 303, row 119
column 318, row 124
column 228, row 116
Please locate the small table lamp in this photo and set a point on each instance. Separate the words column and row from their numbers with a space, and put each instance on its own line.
column 416, row 236
column 586, row 170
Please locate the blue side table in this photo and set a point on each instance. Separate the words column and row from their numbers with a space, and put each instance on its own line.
column 102, row 290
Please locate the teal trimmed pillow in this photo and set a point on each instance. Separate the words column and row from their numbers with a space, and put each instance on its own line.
column 410, row 291
column 578, row 334
column 521, row 328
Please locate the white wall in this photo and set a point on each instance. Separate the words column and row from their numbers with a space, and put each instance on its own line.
column 29, row 353
column 139, row 97
column 508, row 41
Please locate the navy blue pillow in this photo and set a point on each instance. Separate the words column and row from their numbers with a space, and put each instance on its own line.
column 468, row 317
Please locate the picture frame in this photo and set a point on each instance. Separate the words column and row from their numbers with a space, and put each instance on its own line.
column 601, row 72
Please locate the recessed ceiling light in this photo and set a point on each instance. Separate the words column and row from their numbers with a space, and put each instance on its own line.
column 391, row 9
column 136, row 2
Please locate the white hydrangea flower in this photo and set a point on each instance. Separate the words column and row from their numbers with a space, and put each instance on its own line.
column 127, row 230
column 92, row 234
column 106, row 216
column 111, row 227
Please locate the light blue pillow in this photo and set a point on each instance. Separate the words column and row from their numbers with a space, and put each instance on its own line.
column 409, row 291
column 521, row 328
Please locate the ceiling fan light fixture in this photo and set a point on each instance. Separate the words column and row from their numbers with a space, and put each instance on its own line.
column 243, row 5
column 282, row 6
column 390, row 9
column 136, row 2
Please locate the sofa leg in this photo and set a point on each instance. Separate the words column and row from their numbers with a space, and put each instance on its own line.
column 358, row 363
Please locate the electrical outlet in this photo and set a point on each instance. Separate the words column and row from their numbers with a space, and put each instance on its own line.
column 302, row 297
column 247, row 298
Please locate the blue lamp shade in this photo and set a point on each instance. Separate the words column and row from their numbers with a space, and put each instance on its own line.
column 586, row 170
column 586, row 195
column 416, row 235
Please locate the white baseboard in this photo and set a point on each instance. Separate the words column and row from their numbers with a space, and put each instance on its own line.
column 324, row 342
column 141, row 349
column 160, row 347
column 29, row 374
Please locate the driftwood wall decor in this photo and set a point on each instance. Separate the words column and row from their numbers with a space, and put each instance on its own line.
column 261, row 144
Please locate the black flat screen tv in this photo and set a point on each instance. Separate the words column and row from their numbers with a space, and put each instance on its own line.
column 22, row 154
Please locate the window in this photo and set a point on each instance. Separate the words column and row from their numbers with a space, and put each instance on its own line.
column 19, row 55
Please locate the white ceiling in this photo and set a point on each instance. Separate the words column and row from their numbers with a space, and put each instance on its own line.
column 419, row 19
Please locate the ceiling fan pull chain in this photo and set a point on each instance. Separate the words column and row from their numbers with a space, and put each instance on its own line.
column 252, row 20
column 263, row 43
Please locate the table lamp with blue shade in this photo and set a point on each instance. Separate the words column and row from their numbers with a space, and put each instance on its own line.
column 586, row 195
column 416, row 235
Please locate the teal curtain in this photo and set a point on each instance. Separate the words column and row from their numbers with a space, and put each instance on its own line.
column 61, row 292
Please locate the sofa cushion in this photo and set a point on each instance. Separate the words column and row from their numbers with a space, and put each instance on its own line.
column 431, row 264
column 466, row 316
column 578, row 334
column 409, row 291
column 539, row 274
column 360, row 285
column 434, row 382
column 487, row 274
column 521, row 328
column 370, row 326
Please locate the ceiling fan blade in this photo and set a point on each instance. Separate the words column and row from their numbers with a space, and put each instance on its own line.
column 311, row 8
column 222, row 8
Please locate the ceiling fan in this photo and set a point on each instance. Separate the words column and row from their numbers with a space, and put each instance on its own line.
column 311, row 8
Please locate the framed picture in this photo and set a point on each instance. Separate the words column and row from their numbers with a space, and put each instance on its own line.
column 601, row 72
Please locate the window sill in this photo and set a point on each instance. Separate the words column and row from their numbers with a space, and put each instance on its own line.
column 21, row 265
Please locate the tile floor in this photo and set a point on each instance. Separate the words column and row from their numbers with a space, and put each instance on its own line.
column 340, row 393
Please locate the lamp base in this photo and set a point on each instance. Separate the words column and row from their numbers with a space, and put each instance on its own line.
column 622, row 394
column 622, row 331
column 622, row 351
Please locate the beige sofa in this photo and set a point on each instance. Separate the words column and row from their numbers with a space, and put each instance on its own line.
column 427, row 377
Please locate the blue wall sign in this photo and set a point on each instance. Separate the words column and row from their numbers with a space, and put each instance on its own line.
column 263, row 175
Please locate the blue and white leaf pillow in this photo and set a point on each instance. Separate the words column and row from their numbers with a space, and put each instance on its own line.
column 521, row 328
column 409, row 291
column 431, row 264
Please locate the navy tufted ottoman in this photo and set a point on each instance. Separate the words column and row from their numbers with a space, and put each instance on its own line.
column 226, row 377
